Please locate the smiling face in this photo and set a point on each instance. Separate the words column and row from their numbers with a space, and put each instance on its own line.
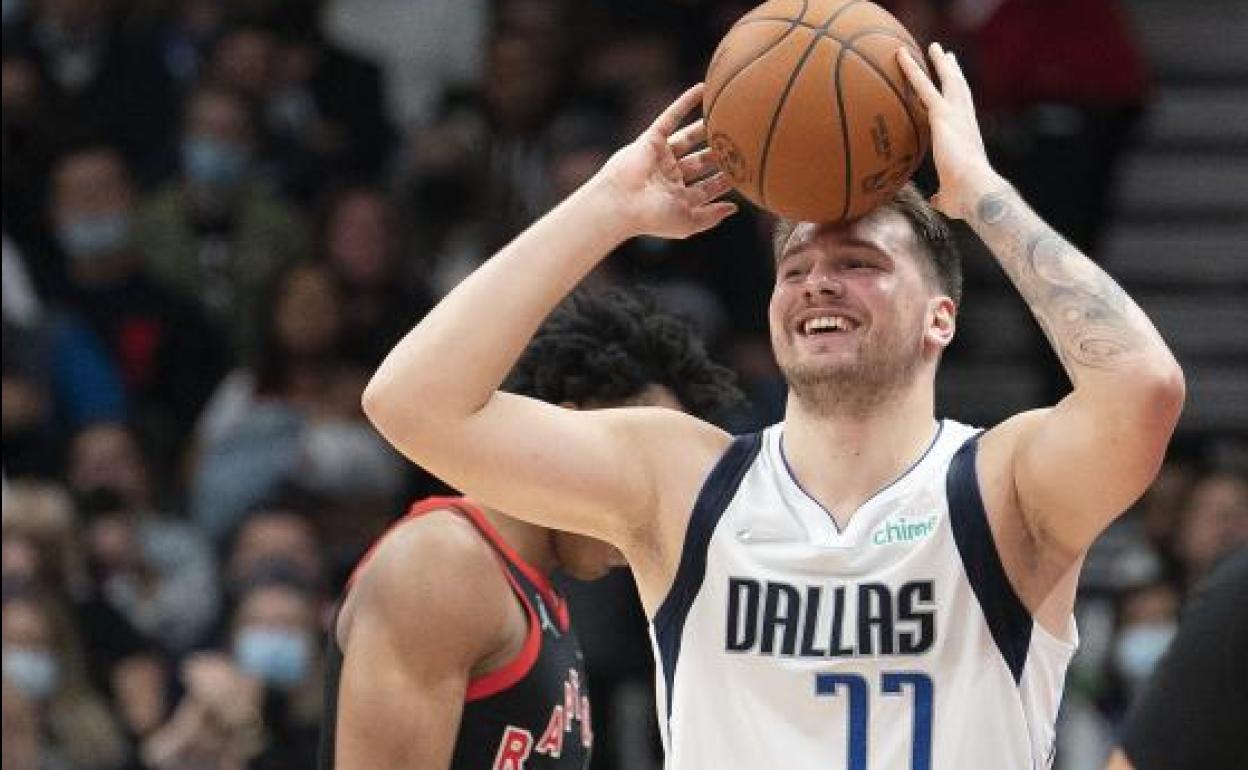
column 854, row 316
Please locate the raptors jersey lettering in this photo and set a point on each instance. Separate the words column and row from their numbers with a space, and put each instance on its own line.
column 895, row 644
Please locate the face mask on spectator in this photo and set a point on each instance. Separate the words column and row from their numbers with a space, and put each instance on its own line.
column 1139, row 648
column 213, row 163
column 278, row 656
column 35, row 672
column 91, row 237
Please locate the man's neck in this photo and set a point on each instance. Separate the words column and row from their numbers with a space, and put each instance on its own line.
column 842, row 460
column 534, row 544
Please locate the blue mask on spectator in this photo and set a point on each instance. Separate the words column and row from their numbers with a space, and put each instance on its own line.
column 33, row 672
column 99, row 235
column 213, row 163
column 1140, row 647
column 278, row 656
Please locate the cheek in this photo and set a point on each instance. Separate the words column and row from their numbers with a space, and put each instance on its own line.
column 781, row 296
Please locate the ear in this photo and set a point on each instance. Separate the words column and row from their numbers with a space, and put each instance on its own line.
column 942, row 321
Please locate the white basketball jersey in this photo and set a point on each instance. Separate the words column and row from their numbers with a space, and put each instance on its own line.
column 895, row 644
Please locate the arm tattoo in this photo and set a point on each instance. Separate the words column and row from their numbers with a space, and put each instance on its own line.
column 1086, row 316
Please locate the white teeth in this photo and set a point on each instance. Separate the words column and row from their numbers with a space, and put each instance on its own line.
column 834, row 323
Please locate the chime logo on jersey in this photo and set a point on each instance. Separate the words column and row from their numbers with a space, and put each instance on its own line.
column 812, row 621
column 518, row 744
column 904, row 530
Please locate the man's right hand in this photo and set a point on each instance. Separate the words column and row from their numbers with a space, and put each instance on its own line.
column 662, row 183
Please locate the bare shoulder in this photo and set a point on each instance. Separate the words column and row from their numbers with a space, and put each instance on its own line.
column 995, row 462
column 432, row 580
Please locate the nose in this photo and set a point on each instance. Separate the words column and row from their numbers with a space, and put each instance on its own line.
column 823, row 283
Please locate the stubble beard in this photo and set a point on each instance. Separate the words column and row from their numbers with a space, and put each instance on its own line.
column 878, row 372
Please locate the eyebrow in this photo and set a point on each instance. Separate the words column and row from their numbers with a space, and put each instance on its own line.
column 849, row 241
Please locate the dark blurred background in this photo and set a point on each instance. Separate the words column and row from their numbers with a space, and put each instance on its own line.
column 218, row 216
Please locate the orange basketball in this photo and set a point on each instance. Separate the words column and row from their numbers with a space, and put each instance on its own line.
column 809, row 112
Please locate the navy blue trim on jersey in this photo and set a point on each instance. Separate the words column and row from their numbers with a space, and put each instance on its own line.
column 720, row 487
column 1008, row 620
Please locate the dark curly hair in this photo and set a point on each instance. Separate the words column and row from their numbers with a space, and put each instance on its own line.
column 607, row 346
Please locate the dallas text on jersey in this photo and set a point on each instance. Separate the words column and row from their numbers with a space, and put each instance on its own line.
column 776, row 618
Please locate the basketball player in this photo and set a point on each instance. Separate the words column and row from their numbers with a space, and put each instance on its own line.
column 451, row 648
column 862, row 585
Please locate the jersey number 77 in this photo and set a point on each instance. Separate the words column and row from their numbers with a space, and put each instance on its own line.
column 891, row 685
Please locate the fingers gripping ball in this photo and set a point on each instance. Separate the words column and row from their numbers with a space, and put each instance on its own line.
column 808, row 111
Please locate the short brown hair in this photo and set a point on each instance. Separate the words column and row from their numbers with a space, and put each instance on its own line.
column 931, row 230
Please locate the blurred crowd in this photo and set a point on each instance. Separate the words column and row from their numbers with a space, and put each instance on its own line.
column 218, row 215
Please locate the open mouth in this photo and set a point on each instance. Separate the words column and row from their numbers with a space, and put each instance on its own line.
column 827, row 324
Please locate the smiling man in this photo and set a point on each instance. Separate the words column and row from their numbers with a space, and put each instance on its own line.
column 783, row 629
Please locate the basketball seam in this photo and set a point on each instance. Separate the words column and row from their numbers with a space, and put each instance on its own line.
column 794, row 23
column 845, row 143
column 784, row 96
column 905, row 105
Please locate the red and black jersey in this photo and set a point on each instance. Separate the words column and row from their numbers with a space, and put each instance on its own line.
column 531, row 714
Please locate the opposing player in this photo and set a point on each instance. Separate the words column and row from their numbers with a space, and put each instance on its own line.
column 451, row 649
column 862, row 585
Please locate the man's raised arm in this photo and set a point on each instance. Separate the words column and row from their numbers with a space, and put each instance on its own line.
column 436, row 397
column 1079, row 465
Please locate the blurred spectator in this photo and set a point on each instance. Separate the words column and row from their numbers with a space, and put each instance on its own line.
column 259, row 706
column 182, row 30
column 43, row 550
column 99, row 77
column 382, row 298
column 57, row 376
column 294, row 417
column 30, row 138
column 22, row 743
column 244, row 60
column 1213, row 523
column 1160, row 511
column 215, row 234
column 321, row 107
column 61, row 713
column 216, row 726
column 424, row 46
column 276, row 633
column 1147, row 619
column 275, row 540
column 158, row 571
column 169, row 356
column 477, row 175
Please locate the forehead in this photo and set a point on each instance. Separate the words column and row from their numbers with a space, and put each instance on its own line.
column 275, row 604
column 87, row 170
column 883, row 229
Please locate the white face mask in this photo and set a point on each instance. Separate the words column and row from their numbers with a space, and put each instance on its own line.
column 1139, row 647
column 33, row 671
column 280, row 657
